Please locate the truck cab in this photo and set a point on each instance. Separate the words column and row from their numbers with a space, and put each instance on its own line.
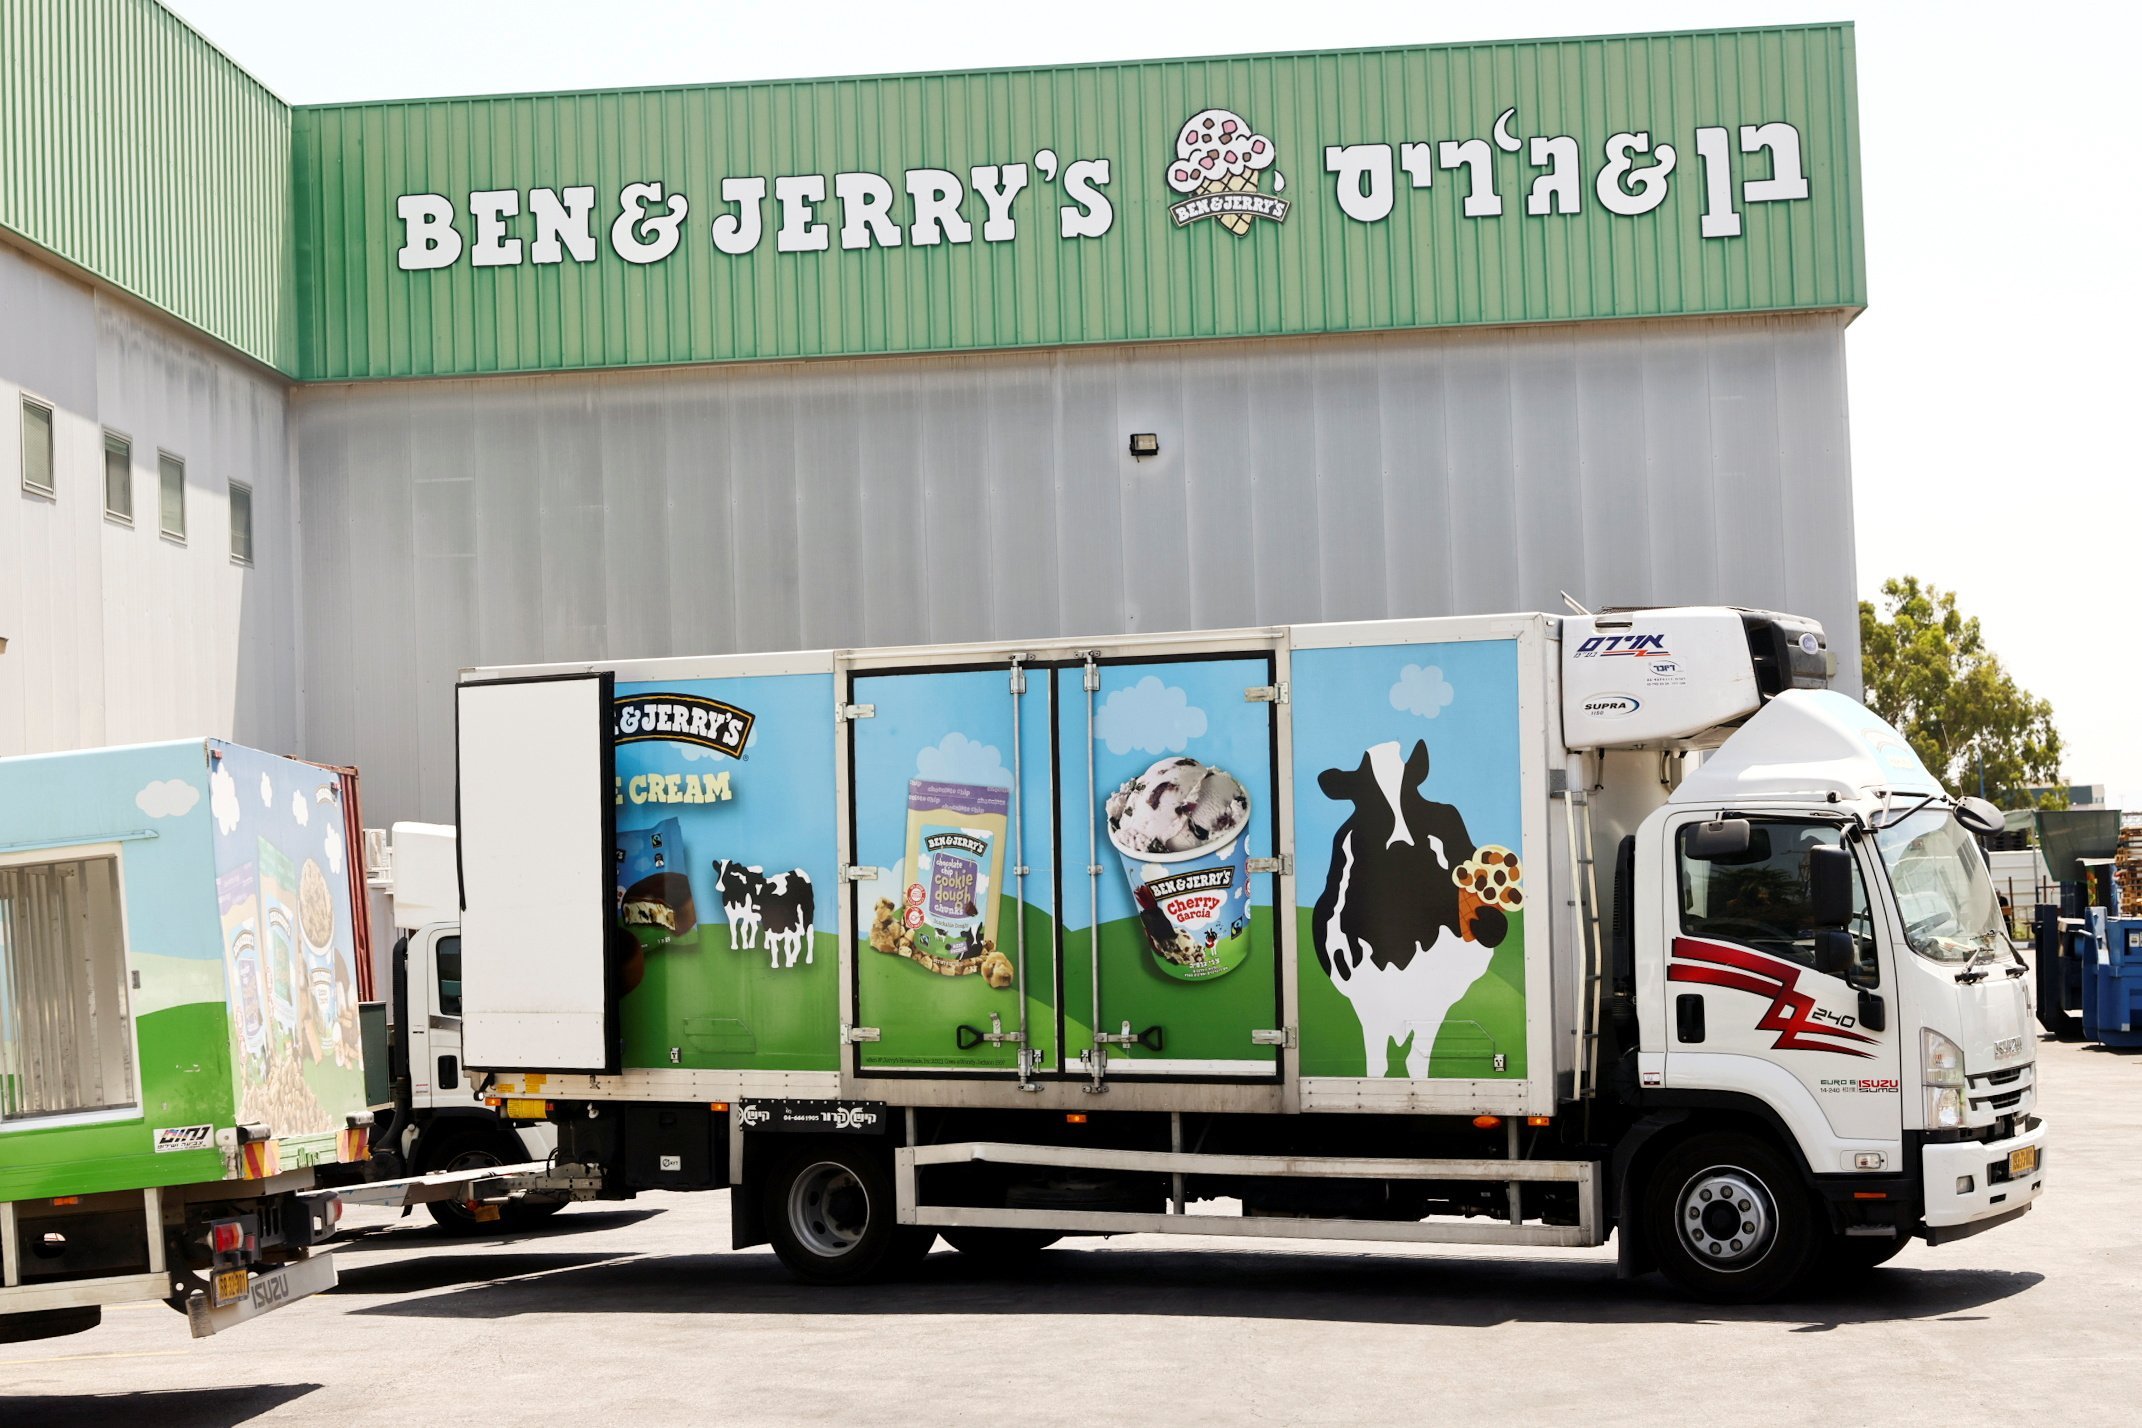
column 1808, row 955
column 430, row 1120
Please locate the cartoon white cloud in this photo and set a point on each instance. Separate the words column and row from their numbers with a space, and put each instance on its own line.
column 333, row 844
column 299, row 808
column 1422, row 690
column 959, row 759
column 172, row 798
column 267, row 791
column 223, row 800
column 1149, row 717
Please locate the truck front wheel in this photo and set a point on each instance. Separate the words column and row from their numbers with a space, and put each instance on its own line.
column 459, row 1217
column 830, row 1215
column 1729, row 1219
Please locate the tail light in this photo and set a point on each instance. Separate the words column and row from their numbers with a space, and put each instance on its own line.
column 226, row 1237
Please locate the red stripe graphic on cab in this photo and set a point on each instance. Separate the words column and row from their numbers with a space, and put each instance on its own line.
column 1791, row 1011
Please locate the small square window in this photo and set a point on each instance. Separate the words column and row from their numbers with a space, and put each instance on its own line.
column 171, row 488
column 241, row 524
column 37, row 447
column 118, row 477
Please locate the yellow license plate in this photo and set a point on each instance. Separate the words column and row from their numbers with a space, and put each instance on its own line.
column 230, row 1286
column 2024, row 1161
column 521, row 1109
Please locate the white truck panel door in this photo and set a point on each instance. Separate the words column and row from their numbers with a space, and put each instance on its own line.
column 536, row 822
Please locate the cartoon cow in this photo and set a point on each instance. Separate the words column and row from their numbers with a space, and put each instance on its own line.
column 781, row 906
column 739, row 888
column 787, row 905
column 1387, row 927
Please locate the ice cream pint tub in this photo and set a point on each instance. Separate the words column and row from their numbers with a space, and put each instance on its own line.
column 1179, row 829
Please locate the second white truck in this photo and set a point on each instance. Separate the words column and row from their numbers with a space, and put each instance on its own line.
column 1525, row 930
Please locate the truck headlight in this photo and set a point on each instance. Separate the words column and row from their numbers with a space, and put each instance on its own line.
column 1944, row 1107
column 1940, row 1060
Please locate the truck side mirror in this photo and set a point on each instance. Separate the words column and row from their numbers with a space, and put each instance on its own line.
column 1833, row 953
column 1980, row 816
column 1721, row 840
column 1829, row 887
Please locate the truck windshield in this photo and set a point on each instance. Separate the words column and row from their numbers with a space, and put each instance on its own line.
column 1943, row 892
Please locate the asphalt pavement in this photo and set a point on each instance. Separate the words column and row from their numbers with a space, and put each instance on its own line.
column 637, row 1313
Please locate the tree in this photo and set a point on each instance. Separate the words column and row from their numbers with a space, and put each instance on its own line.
column 1928, row 672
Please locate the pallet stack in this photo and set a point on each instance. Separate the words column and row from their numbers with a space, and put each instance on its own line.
column 2127, row 865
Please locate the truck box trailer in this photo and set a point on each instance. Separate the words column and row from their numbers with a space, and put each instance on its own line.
column 179, row 1052
column 1522, row 929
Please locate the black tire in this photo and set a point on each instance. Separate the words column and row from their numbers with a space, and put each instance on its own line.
column 999, row 1246
column 829, row 1214
column 456, row 1217
column 1772, row 1236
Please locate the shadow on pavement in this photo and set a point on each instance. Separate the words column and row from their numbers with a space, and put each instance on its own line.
column 1457, row 1292
column 420, row 1232
column 174, row 1408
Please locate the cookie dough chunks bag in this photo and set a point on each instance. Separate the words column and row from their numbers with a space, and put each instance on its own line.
column 653, row 889
column 955, row 867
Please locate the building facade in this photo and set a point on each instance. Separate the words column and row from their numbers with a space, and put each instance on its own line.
column 920, row 358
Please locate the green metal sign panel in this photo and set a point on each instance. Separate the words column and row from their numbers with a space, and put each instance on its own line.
column 1536, row 181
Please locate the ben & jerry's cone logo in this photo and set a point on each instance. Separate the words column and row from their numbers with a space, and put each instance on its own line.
column 1220, row 162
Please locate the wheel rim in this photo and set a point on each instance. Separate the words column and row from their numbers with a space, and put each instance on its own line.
column 469, row 1160
column 1726, row 1218
column 828, row 1209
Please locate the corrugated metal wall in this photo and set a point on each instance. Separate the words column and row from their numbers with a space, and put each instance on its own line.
column 116, row 635
column 133, row 148
column 500, row 521
column 1317, row 271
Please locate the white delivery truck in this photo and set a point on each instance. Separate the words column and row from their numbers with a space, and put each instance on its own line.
column 1523, row 929
column 427, row 1124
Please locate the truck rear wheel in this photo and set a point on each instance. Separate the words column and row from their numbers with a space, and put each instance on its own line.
column 829, row 1213
column 1729, row 1219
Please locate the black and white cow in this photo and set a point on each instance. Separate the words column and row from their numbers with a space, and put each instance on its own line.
column 739, row 888
column 1386, row 927
column 782, row 906
column 787, row 906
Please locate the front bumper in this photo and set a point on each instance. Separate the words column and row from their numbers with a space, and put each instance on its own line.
column 1967, row 1182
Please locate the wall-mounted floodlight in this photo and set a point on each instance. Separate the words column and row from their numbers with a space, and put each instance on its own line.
column 1144, row 444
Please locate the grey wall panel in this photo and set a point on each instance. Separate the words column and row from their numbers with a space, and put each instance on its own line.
column 852, row 503
column 117, row 635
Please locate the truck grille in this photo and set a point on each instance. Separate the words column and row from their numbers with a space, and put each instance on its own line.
column 2002, row 1090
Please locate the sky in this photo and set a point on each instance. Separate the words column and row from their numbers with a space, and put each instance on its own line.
column 1997, row 149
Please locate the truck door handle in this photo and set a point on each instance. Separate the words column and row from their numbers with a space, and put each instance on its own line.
column 1688, row 1016
column 1873, row 1011
column 449, row 1070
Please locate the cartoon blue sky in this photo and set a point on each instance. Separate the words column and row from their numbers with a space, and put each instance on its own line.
column 1347, row 700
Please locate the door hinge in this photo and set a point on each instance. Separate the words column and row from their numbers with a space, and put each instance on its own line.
column 852, row 1034
column 1278, row 1036
column 842, row 713
column 1282, row 865
column 1266, row 693
column 856, row 873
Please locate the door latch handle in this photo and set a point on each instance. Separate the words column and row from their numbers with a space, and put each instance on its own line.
column 1688, row 1016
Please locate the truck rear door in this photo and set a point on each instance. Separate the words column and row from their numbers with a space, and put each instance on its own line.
column 535, row 805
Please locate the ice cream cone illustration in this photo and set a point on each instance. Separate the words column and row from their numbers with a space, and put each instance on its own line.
column 1219, row 162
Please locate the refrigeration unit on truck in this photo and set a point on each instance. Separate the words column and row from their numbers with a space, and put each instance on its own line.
column 179, row 1057
column 1515, row 930
column 426, row 1121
